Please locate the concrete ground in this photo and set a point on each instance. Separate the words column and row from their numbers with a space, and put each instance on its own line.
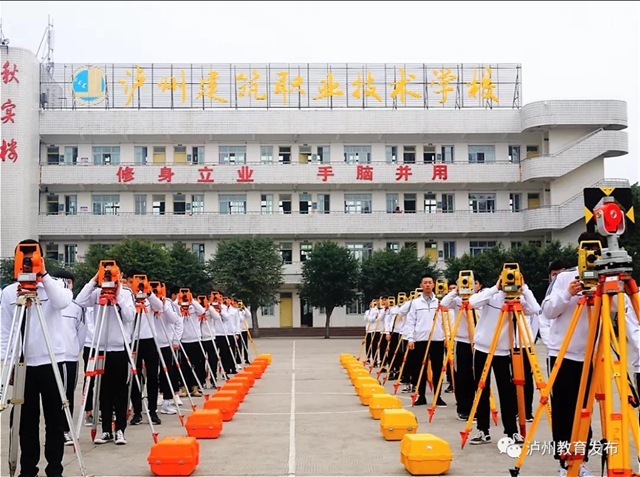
column 303, row 418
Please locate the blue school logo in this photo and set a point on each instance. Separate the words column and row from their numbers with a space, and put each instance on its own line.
column 89, row 84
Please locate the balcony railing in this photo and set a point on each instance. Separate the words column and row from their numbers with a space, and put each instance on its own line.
column 333, row 225
column 211, row 175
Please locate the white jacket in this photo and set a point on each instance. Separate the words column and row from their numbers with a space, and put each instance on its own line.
column 75, row 331
column 146, row 330
column 89, row 298
column 54, row 296
column 228, row 319
column 392, row 316
column 245, row 317
column 559, row 306
column 491, row 301
column 215, row 320
column 402, row 314
column 165, row 318
column 370, row 319
column 454, row 302
column 88, row 318
column 420, row 319
column 191, row 323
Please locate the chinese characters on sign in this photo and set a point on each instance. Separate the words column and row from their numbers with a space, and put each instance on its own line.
column 9, row 146
column 125, row 174
column 285, row 85
column 579, row 448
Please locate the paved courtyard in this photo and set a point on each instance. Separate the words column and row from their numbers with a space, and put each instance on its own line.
column 303, row 418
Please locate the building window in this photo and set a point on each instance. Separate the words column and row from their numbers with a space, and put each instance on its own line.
column 395, row 246
column 514, row 154
column 361, row 251
column 70, row 155
column 532, row 151
column 198, row 249
column 70, row 204
column 447, row 155
column 429, row 154
column 482, row 154
column 197, row 155
column 70, row 253
column 160, row 154
column 535, row 243
column 267, row 310
column 140, row 201
column 430, row 204
column 284, row 154
column 197, row 204
column 477, row 247
column 533, row 201
column 266, row 204
column 516, row 244
column 159, row 204
column 140, row 155
column 391, row 154
column 412, row 246
column 51, row 251
column 409, row 154
column 324, row 154
column 305, row 250
column 392, row 203
column 304, row 154
column 449, row 249
column 266, row 154
column 410, row 203
column 105, row 204
column 448, row 203
column 286, row 251
column 482, row 203
column 357, row 154
column 324, row 204
column 357, row 203
column 53, row 155
column 233, row 204
column 356, row 307
column 179, row 204
column 233, row 154
column 106, row 155
column 515, row 202
column 305, row 203
column 284, row 203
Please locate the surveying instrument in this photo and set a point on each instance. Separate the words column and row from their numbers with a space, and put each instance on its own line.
column 108, row 282
column 605, row 274
column 511, row 284
column 28, row 269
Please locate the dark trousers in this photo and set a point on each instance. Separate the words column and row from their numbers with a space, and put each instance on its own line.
column 375, row 353
column 245, row 346
column 564, row 400
column 225, row 353
column 89, row 398
column 168, row 388
column 211, row 357
column 114, row 390
column 406, row 371
column 528, row 384
column 148, row 354
column 369, row 345
column 436, row 355
column 194, row 353
column 383, row 348
column 394, row 362
column 501, row 366
column 40, row 381
column 69, row 372
column 465, row 383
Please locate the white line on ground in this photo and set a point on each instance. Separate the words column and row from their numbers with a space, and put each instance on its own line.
column 292, row 417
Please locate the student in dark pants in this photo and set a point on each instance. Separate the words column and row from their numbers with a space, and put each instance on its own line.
column 489, row 302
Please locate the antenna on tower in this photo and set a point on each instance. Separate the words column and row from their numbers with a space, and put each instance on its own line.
column 48, row 41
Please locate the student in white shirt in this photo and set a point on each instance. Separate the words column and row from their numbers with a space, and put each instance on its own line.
column 370, row 317
column 393, row 328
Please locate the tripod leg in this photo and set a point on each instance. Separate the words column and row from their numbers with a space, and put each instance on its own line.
column 432, row 409
column 404, row 362
column 60, row 385
column 376, row 354
column 134, row 354
column 253, row 345
column 206, row 363
column 364, row 341
column 217, row 351
column 393, row 359
column 11, row 353
column 102, row 359
column 450, row 344
column 17, row 347
column 483, row 378
column 517, row 364
column 414, row 396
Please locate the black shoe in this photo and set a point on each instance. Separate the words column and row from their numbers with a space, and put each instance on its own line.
column 154, row 418
column 393, row 376
column 462, row 417
column 529, row 418
column 441, row 403
column 136, row 420
column 421, row 401
column 449, row 389
column 383, row 370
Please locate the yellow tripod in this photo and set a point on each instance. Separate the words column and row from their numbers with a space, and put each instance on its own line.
column 601, row 339
column 364, row 341
column 370, row 347
column 512, row 310
column 386, row 352
column 414, row 396
column 396, row 385
column 253, row 345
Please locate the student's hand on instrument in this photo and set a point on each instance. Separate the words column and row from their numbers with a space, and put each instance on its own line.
column 499, row 283
column 574, row 287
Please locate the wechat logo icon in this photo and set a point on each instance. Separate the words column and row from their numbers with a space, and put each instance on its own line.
column 508, row 446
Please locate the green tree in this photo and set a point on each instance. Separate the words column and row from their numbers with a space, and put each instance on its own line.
column 630, row 240
column 329, row 278
column 7, row 264
column 386, row 273
column 249, row 269
column 488, row 264
column 187, row 271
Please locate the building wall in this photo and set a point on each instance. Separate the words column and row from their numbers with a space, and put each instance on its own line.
column 19, row 179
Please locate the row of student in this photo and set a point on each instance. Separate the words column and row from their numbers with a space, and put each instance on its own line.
column 72, row 323
column 413, row 324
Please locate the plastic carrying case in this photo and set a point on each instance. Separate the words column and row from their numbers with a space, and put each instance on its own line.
column 174, row 456
column 395, row 423
column 425, row 454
